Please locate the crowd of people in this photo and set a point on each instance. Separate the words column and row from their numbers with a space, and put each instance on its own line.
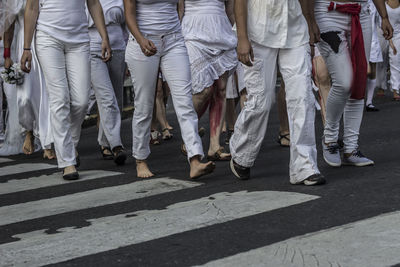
column 208, row 55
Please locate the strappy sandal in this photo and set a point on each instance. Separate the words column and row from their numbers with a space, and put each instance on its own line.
column 283, row 136
column 106, row 156
column 166, row 135
column 218, row 155
column 154, row 138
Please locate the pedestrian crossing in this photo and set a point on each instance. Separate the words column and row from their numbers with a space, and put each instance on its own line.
column 35, row 246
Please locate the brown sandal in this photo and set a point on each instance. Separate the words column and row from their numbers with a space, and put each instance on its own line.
column 218, row 155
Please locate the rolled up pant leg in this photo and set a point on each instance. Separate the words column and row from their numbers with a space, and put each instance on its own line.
column 252, row 122
column 295, row 67
column 144, row 71
column 52, row 60
column 179, row 80
column 110, row 117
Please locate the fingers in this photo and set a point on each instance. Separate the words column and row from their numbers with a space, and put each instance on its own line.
column 245, row 59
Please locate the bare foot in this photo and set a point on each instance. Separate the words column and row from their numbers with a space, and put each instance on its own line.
column 143, row 170
column 28, row 147
column 169, row 127
column 49, row 154
column 198, row 169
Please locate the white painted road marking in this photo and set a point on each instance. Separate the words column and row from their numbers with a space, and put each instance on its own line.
column 104, row 234
column 24, row 167
column 372, row 242
column 13, row 186
column 90, row 199
column 4, row 160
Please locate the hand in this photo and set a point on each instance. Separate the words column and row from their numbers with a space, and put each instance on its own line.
column 105, row 51
column 315, row 35
column 387, row 29
column 8, row 63
column 148, row 47
column 245, row 52
column 26, row 61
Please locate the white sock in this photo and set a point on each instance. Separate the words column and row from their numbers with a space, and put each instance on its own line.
column 371, row 84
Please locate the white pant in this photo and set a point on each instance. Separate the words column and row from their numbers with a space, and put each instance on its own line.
column 173, row 60
column 340, row 69
column 66, row 68
column 382, row 67
column 1, row 106
column 110, row 117
column 295, row 66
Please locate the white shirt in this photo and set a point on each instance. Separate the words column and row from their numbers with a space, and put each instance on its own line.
column 64, row 20
column 394, row 17
column 157, row 17
column 277, row 23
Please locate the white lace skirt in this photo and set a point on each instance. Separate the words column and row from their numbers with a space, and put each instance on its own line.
column 211, row 44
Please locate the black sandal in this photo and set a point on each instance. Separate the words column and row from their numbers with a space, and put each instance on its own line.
column 217, row 155
column 283, row 136
column 106, row 156
column 119, row 155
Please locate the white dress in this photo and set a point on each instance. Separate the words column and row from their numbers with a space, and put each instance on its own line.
column 210, row 41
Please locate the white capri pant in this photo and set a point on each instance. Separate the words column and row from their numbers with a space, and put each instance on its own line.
column 173, row 59
column 66, row 68
column 103, row 74
column 235, row 83
column 382, row 67
column 340, row 69
column 251, row 125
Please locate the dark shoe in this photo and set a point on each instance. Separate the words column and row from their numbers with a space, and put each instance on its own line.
column 106, row 156
column 371, row 108
column 228, row 136
column 315, row 179
column 202, row 132
column 119, row 155
column 240, row 172
column 71, row 176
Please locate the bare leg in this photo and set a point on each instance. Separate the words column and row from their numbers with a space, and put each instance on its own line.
column 160, row 111
column 166, row 94
column 284, row 137
column 201, row 101
column 29, row 143
column 243, row 97
column 217, row 112
column 323, row 82
column 230, row 115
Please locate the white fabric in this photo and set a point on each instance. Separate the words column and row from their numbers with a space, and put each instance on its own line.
column 277, row 23
column 210, row 41
column 376, row 52
column 171, row 52
column 64, row 20
column 66, row 67
column 8, row 12
column 394, row 17
column 371, row 83
column 394, row 62
column 235, row 84
column 115, row 21
column 157, row 17
column 110, row 117
column 340, row 69
column 382, row 67
column 251, row 125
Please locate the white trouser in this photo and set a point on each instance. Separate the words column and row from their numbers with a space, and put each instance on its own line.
column 1, row 106
column 66, row 68
column 394, row 61
column 173, row 60
column 110, row 117
column 250, row 127
column 340, row 69
column 382, row 67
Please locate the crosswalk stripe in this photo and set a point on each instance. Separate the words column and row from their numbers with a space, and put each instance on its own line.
column 4, row 160
column 90, row 199
column 24, row 167
column 38, row 248
column 371, row 242
column 13, row 186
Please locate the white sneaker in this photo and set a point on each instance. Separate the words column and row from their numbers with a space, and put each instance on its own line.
column 331, row 154
column 357, row 159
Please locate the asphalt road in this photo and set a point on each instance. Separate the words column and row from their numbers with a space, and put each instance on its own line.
column 112, row 218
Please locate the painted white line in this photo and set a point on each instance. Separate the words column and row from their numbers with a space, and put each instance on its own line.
column 24, row 167
column 31, row 183
column 90, row 199
column 372, row 242
column 104, row 234
column 4, row 160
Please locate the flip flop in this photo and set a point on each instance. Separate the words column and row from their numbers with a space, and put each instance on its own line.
column 218, row 155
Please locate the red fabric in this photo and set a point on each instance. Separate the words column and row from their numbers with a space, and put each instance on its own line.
column 7, row 53
column 358, row 59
